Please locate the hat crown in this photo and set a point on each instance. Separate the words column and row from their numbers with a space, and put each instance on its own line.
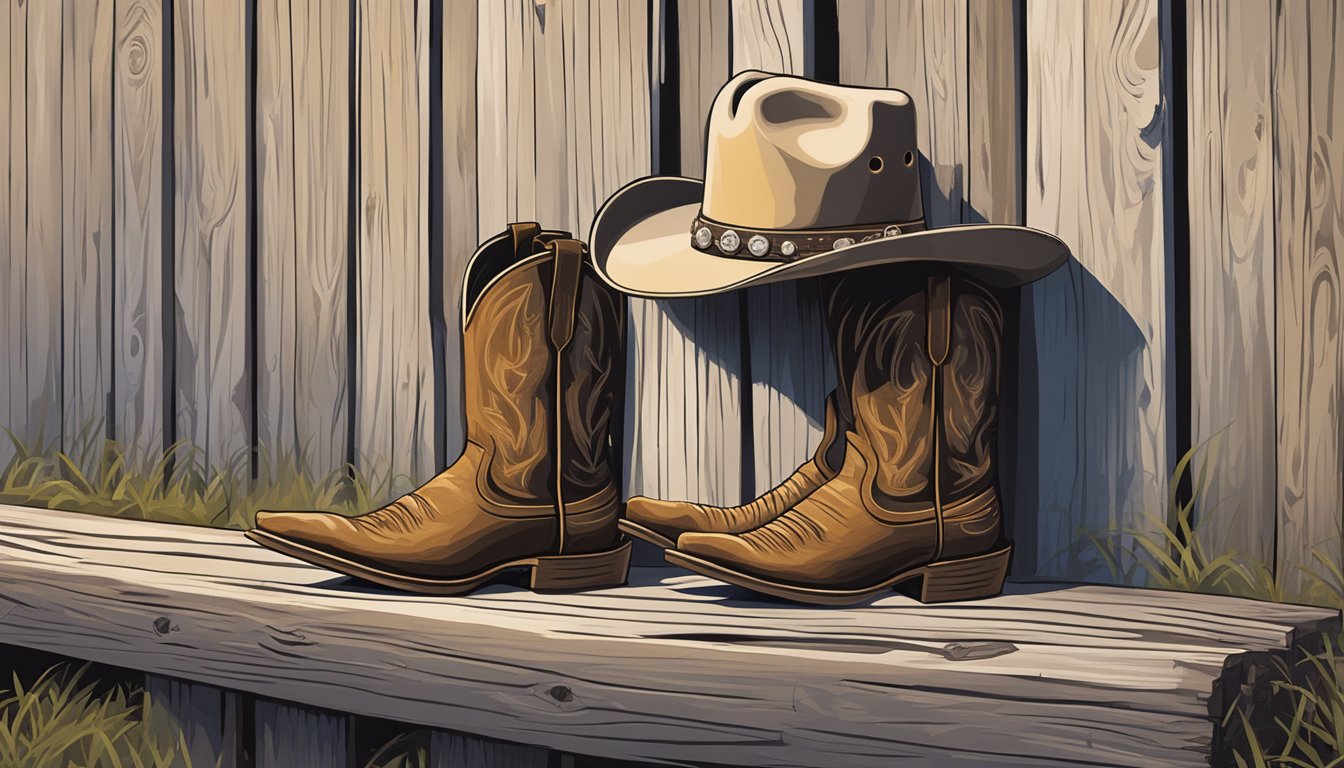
column 789, row 153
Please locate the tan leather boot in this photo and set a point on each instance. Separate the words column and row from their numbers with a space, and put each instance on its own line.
column 535, row 487
column 915, row 503
column 661, row 522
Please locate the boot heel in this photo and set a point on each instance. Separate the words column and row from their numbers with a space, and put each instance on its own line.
column 590, row 571
column 970, row 578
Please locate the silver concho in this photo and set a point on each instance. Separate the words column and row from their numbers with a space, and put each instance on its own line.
column 729, row 242
column 788, row 248
column 842, row 242
column 891, row 231
column 703, row 238
column 758, row 245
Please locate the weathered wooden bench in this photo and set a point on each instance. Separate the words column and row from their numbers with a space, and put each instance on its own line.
column 672, row 668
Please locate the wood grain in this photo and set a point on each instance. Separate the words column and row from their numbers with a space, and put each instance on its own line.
column 39, row 407
column 459, row 214
column 394, row 403
column 492, row 119
column 303, row 119
column 683, row 428
column 139, row 360
column 685, row 669
column 996, row 97
column 1097, row 145
column 454, row 750
column 1231, row 183
column 203, row 717
column 1309, row 216
column 87, row 248
column 212, row 363
column 298, row 737
column 12, row 96
column 788, row 348
column 701, row 38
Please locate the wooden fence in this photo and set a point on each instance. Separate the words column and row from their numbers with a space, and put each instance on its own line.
column 243, row 222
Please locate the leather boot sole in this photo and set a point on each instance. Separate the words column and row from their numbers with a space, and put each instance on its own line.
column 549, row 573
column 970, row 578
column 632, row 528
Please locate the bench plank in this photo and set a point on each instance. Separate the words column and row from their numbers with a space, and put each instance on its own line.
column 670, row 668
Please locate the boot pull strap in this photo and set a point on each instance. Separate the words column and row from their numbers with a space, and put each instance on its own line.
column 940, row 318
column 565, row 274
column 523, row 233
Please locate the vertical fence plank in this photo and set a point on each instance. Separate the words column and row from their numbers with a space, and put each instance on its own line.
column 995, row 101
column 945, row 88
column 701, row 38
column 507, row 122
column 492, row 117
column 1231, row 138
column 459, row 213
column 394, row 408
column 1309, row 208
column 455, row 750
column 303, row 103
column 10, row 92
column 138, row 314
column 38, row 408
column 204, row 717
column 212, row 360
column 296, row 737
column 1097, row 170
column 788, row 348
column 87, row 255
column 550, row 30
column 684, row 394
column 276, row 213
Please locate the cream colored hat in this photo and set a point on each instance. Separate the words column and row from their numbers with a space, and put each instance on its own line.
column 801, row 178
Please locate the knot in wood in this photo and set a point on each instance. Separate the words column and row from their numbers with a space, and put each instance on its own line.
column 561, row 693
column 163, row 625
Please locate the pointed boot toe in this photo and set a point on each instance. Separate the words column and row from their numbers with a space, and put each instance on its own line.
column 301, row 525
column 318, row 530
column 660, row 522
column 714, row 546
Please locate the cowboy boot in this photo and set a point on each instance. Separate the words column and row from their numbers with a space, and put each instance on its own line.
column 914, row 503
column 535, row 487
column 661, row 522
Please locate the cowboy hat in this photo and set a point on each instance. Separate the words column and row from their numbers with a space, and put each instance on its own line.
column 801, row 178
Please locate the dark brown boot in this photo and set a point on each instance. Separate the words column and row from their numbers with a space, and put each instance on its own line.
column 915, row 502
column 661, row 522
column 535, row 487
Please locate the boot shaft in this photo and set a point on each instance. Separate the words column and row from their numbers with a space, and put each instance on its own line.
column 918, row 353
column 543, row 349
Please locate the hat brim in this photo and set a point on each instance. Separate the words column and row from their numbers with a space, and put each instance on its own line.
column 641, row 245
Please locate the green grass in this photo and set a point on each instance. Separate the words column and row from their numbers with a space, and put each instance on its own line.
column 57, row 721
column 104, row 478
column 61, row 720
column 1307, row 693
